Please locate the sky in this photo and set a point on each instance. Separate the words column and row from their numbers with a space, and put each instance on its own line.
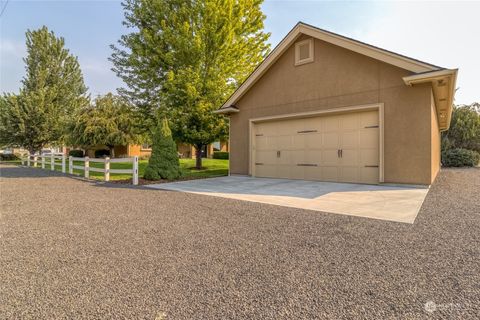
column 441, row 33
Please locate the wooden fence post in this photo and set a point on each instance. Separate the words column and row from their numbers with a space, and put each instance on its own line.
column 52, row 161
column 107, row 169
column 43, row 162
column 87, row 167
column 64, row 169
column 135, row 170
column 70, row 165
column 35, row 161
column 28, row 160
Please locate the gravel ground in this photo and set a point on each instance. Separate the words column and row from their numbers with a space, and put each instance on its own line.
column 75, row 249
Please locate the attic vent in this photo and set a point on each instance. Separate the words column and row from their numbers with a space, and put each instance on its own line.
column 304, row 52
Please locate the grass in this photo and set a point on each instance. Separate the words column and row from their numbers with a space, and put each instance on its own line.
column 212, row 168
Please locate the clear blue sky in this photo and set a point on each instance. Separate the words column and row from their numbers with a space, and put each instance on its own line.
column 89, row 27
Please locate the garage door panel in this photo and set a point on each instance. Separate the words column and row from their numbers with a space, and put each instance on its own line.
column 309, row 148
column 312, row 124
column 298, row 172
column 369, row 138
column 313, row 156
column 330, row 173
column 350, row 139
column 266, row 129
column 331, row 140
column 368, row 175
column 369, row 157
column 331, row 124
column 284, row 172
column 261, row 142
column 350, row 157
column 298, row 156
column 329, row 158
column 266, row 157
column 267, row 171
column 348, row 174
column 349, row 122
column 299, row 142
column 313, row 140
column 368, row 119
column 284, row 142
column 313, row 173
column 285, row 157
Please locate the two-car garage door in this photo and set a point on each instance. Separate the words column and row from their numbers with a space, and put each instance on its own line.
column 341, row 147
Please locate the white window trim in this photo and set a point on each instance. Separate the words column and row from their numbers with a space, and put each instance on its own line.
column 297, row 52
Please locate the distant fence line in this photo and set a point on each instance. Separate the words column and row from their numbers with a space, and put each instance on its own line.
column 33, row 160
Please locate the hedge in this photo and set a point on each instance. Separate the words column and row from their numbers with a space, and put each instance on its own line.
column 101, row 153
column 460, row 158
column 220, row 155
column 76, row 153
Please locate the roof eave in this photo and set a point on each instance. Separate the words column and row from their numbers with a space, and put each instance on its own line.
column 443, row 86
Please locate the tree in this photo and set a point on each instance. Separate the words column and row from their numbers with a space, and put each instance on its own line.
column 464, row 129
column 52, row 90
column 163, row 163
column 185, row 57
column 109, row 121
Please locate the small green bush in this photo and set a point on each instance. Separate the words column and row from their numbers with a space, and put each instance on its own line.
column 102, row 153
column 460, row 158
column 8, row 157
column 76, row 153
column 163, row 162
column 220, row 155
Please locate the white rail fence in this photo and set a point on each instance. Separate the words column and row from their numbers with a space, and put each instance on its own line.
column 86, row 168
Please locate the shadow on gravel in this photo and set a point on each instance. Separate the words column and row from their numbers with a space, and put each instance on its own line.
column 12, row 171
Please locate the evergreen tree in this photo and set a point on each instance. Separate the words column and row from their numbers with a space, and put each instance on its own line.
column 163, row 163
column 185, row 57
column 52, row 90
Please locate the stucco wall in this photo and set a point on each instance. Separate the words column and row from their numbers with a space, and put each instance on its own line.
column 435, row 141
column 341, row 78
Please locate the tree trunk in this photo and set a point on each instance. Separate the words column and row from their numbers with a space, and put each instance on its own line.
column 198, row 154
column 112, row 151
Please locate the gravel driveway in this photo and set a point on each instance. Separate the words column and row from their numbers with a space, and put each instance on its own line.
column 74, row 249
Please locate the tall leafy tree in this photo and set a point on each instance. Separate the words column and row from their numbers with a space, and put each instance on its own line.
column 52, row 90
column 183, row 58
column 108, row 121
column 464, row 129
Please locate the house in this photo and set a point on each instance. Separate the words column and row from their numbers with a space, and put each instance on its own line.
column 184, row 150
column 326, row 107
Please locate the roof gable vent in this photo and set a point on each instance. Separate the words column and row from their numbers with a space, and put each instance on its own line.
column 304, row 51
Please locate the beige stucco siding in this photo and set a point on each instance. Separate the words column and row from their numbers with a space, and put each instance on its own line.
column 435, row 141
column 342, row 78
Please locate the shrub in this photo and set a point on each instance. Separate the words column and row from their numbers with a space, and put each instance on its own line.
column 163, row 162
column 8, row 157
column 102, row 153
column 220, row 155
column 76, row 153
column 460, row 158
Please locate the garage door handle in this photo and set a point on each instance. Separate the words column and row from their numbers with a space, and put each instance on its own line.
column 340, row 153
column 278, row 154
column 371, row 127
column 307, row 165
column 371, row 166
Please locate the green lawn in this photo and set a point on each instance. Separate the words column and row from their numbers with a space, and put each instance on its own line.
column 213, row 168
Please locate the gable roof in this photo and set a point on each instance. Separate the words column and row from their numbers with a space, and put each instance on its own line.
column 401, row 61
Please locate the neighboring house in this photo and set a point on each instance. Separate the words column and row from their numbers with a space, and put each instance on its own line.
column 325, row 107
column 184, row 150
